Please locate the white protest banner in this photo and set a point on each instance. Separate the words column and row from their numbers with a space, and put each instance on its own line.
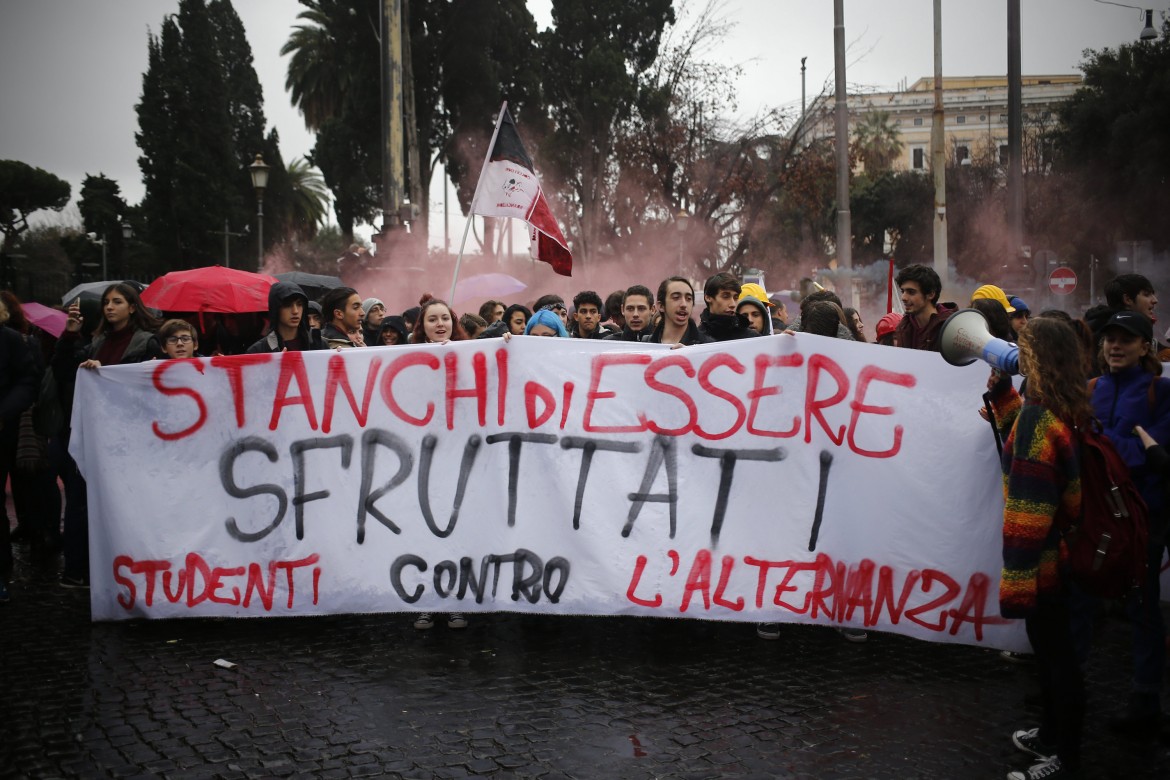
column 786, row 479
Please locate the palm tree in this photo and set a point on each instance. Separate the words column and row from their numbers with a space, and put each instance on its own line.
column 310, row 199
column 334, row 57
column 334, row 78
column 877, row 142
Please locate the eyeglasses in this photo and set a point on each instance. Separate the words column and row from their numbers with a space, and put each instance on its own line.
column 173, row 340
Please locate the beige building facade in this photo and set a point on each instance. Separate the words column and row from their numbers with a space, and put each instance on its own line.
column 975, row 108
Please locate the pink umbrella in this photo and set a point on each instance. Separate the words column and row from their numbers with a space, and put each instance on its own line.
column 484, row 286
column 49, row 320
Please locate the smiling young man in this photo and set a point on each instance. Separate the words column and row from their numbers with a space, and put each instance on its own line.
column 676, row 301
column 638, row 312
column 923, row 320
column 719, row 321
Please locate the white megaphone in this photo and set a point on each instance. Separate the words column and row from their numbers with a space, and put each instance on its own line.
column 965, row 339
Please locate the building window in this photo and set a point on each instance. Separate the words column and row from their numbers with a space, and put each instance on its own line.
column 961, row 154
column 918, row 121
column 961, row 119
column 1003, row 154
column 919, row 158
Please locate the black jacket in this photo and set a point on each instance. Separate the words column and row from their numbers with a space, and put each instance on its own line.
column 692, row 336
column 625, row 334
column 278, row 295
column 19, row 377
column 725, row 327
column 72, row 350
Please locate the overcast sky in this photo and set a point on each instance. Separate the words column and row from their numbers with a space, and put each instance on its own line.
column 71, row 70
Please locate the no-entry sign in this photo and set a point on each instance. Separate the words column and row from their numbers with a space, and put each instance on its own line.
column 1062, row 280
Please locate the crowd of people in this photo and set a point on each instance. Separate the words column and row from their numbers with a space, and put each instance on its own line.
column 1103, row 369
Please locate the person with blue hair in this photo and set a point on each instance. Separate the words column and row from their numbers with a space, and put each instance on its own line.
column 546, row 322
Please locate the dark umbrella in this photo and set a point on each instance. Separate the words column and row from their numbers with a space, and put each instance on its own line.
column 94, row 290
column 314, row 285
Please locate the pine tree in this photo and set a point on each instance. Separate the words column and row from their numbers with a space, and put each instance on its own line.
column 201, row 122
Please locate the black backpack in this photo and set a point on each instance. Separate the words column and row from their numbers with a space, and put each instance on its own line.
column 1107, row 544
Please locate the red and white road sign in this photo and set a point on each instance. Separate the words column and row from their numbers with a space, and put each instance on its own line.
column 1062, row 280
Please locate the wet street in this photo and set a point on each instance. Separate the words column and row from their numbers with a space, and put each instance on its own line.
column 514, row 696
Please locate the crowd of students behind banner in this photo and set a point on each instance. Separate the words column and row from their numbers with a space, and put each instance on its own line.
column 1059, row 355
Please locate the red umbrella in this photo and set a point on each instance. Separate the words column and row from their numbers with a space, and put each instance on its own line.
column 211, row 289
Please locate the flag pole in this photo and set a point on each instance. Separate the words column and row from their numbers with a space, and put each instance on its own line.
column 474, row 198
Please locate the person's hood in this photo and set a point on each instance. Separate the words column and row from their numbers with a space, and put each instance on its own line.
column 395, row 323
column 283, row 292
column 1097, row 316
column 494, row 331
column 763, row 307
column 280, row 294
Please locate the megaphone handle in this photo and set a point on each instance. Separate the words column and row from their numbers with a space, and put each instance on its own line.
column 991, row 419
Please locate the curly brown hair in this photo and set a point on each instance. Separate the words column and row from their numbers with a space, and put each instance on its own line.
column 1051, row 358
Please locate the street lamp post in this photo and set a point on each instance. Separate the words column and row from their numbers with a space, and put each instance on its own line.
column 259, row 171
column 680, row 222
column 93, row 237
column 127, row 234
column 1149, row 32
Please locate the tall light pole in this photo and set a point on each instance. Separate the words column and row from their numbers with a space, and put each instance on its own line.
column 259, row 171
column 844, row 229
column 938, row 154
column 802, row 69
column 1015, row 172
column 392, row 126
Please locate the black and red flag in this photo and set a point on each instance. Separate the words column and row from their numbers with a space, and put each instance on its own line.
column 508, row 187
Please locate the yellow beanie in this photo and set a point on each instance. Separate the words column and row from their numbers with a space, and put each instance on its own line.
column 992, row 293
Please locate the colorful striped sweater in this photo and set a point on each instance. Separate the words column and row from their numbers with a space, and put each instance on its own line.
column 1042, row 494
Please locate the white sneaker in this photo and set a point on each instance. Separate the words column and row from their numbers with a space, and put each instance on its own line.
column 1028, row 740
column 855, row 635
column 424, row 621
column 1049, row 769
column 456, row 620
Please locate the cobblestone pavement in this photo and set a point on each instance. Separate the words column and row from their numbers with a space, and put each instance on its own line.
column 513, row 696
